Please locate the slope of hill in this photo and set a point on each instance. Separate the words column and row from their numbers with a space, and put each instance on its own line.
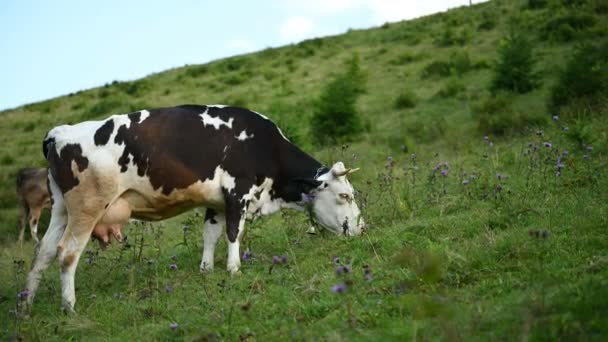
column 470, row 238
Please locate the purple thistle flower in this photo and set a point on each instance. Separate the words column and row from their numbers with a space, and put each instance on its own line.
column 565, row 129
column 246, row 255
column 173, row 326
column 275, row 259
column 368, row 277
column 465, row 182
column 173, row 266
column 168, row 289
column 23, row 294
column 343, row 269
column 539, row 132
column 589, row 148
column 499, row 175
column 413, row 156
column 547, row 144
column 473, row 177
column 173, row 257
column 338, row 288
column 284, row 259
column 336, row 259
column 555, row 117
column 444, row 172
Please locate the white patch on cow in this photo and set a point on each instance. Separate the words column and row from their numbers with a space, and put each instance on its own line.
column 243, row 136
column 143, row 116
column 226, row 180
column 217, row 106
column 216, row 122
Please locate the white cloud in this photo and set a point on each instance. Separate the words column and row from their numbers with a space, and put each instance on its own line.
column 240, row 45
column 296, row 28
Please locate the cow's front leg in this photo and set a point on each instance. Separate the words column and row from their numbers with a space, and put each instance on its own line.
column 213, row 228
column 235, row 226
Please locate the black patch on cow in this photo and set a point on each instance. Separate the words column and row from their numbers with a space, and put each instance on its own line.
column 210, row 216
column 134, row 117
column 46, row 145
column 102, row 135
column 60, row 165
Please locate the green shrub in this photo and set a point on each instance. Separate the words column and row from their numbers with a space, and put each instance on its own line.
column 405, row 99
column 514, row 69
column 450, row 37
column 437, row 69
column 496, row 115
column 194, row 71
column 568, row 27
column 335, row 118
column 488, row 21
column 135, row 88
column 405, row 58
column 537, row 4
column 103, row 107
column 584, row 80
column 452, row 88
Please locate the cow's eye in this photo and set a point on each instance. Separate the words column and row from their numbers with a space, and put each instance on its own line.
column 345, row 196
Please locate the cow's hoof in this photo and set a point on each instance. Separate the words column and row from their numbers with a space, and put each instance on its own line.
column 68, row 309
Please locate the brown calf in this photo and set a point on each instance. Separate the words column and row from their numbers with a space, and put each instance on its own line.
column 33, row 196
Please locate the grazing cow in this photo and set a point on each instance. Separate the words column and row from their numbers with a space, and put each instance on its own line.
column 155, row 164
column 33, row 197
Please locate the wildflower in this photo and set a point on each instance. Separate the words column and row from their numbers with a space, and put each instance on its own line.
column 168, row 289
column 88, row 261
column 284, row 259
column 565, row 153
column 173, row 326
column 343, row 269
column 547, row 144
column 589, row 148
column 338, row 288
column 444, row 172
column 539, row 132
column 465, row 182
column 93, row 296
column 275, row 259
column 545, row 234
column 115, row 295
column 367, row 272
column 403, row 148
column 486, row 138
column 336, row 259
column 473, row 177
column 585, row 156
column 499, row 175
column 413, row 156
column 173, row 257
column 173, row 266
column 23, row 294
column 565, row 128
column 555, row 117
column 185, row 227
column 246, row 255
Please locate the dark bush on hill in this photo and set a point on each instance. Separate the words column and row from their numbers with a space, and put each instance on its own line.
column 335, row 118
column 584, row 80
column 514, row 69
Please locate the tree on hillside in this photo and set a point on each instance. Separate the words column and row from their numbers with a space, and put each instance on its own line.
column 335, row 118
column 514, row 69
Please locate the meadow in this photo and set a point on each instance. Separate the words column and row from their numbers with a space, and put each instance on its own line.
column 484, row 191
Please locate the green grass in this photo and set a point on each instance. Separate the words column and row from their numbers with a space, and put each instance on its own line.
column 448, row 261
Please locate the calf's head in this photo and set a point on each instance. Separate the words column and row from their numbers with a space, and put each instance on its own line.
column 333, row 203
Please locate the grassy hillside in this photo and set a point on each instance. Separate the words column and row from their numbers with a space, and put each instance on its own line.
column 470, row 237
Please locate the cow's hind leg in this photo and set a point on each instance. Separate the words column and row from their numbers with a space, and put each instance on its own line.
column 34, row 220
column 47, row 249
column 23, row 213
column 213, row 229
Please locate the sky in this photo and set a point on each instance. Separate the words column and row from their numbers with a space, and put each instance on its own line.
column 55, row 47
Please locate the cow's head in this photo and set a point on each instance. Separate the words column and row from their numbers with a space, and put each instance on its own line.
column 333, row 204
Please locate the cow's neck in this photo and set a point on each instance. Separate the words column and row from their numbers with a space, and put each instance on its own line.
column 296, row 166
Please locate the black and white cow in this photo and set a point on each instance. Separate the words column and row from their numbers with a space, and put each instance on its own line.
column 155, row 164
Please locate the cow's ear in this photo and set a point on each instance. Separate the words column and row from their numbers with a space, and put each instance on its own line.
column 308, row 185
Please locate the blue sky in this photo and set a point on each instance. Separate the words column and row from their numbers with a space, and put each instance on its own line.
column 51, row 48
